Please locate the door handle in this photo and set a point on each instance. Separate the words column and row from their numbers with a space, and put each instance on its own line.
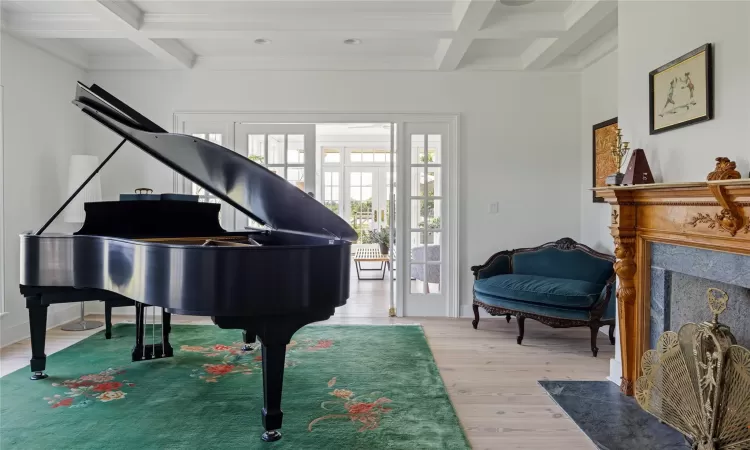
column 382, row 215
column 375, row 215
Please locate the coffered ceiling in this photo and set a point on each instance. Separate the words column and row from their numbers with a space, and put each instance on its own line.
column 431, row 35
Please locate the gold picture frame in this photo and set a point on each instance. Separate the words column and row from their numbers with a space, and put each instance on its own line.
column 604, row 139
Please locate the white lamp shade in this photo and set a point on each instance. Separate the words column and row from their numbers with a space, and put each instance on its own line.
column 81, row 166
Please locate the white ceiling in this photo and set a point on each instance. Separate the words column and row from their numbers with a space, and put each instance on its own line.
column 443, row 35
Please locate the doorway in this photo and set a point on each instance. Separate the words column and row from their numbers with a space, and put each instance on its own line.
column 351, row 164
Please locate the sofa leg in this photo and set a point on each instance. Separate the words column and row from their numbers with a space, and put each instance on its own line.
column 475, row 322
column 520, row 319
column 612, row 334
column 594, row 332
column 507, row 318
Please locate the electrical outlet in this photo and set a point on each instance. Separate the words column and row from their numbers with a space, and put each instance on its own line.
column 494, row 207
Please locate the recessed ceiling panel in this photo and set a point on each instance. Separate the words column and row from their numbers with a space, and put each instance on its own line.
column 108, row 47
column 542, row 9
column 220, row 7
column 483, row 49
column 605, row 26
column 47, row 7
column 300, row 45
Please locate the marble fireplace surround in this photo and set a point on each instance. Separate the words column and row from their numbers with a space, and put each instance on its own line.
column 706, row 215
column 679, row 279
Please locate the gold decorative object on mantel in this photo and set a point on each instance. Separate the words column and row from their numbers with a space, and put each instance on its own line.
column 725, row 170
column 698, row 382
column 619, row 152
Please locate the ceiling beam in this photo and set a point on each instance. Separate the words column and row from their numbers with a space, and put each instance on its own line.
column 468, row 18
column 56, row 26
column 260, row 63
column 598, row 50
column 581, row 17
column 125, row 17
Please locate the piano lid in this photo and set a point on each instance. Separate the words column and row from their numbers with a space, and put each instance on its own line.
column 251, row 188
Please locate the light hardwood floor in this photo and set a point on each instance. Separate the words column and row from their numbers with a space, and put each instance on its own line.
column 491, row 380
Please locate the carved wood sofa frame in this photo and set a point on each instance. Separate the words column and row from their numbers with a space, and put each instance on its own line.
column 595, row 321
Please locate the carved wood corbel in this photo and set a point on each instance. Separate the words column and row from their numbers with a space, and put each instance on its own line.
column 626, row 270
column 731, row 218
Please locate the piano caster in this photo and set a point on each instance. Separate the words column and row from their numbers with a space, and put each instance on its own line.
column 38, row 376
column 248, row 337
column 271, row 436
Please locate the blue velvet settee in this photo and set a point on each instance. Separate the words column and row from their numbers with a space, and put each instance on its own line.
column 561, row 284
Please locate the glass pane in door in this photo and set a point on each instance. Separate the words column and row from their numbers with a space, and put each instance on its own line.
column 296, row 176
column 295, row 153
column 331, row 191
column 256, row 148
column 276, row 149
column 362, row 215
column 426, row 212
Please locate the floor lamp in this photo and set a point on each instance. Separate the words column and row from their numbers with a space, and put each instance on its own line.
column 80, row 167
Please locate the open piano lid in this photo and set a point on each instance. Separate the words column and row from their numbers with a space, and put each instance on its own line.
column 249, row 187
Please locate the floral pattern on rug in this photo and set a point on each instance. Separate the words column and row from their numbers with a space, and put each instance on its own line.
column 366, row 409
column 89, row 389
column 245, row 359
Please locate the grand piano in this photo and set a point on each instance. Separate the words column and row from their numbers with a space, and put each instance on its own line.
column 174, row 255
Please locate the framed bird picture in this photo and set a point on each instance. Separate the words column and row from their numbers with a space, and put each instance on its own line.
column 681, row 91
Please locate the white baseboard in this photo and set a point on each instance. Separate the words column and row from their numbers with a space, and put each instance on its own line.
column 19, row 332
column 615, row 371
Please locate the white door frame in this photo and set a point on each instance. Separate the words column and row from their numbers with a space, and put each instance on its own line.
column 451, row 189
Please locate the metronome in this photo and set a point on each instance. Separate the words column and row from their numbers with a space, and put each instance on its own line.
column 638, row 171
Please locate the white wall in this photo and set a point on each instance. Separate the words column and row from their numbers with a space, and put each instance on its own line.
column 655, row 32
column 520, row 137
column 598, row 103
column 42, row 129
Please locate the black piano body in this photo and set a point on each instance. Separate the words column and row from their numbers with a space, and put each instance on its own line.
column 175, row 255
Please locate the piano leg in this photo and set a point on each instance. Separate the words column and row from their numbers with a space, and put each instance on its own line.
column 38, row 331
column 166, row 326
column 273, row 333
column 107, row 320
column 273, row 378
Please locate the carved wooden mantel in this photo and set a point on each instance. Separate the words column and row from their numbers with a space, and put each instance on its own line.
column 711, row 215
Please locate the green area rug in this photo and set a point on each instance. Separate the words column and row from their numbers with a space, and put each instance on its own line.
column 345, row 387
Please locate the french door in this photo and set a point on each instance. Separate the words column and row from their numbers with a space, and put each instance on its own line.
column 425, row 235
column 218, row 133
column 288, row 150
column 367, row 198
column 420, row 210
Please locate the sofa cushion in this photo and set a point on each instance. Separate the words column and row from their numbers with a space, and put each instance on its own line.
column 560, row 292
column 569, row 264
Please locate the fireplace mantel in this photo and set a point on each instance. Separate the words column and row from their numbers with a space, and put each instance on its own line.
column 711, row 215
